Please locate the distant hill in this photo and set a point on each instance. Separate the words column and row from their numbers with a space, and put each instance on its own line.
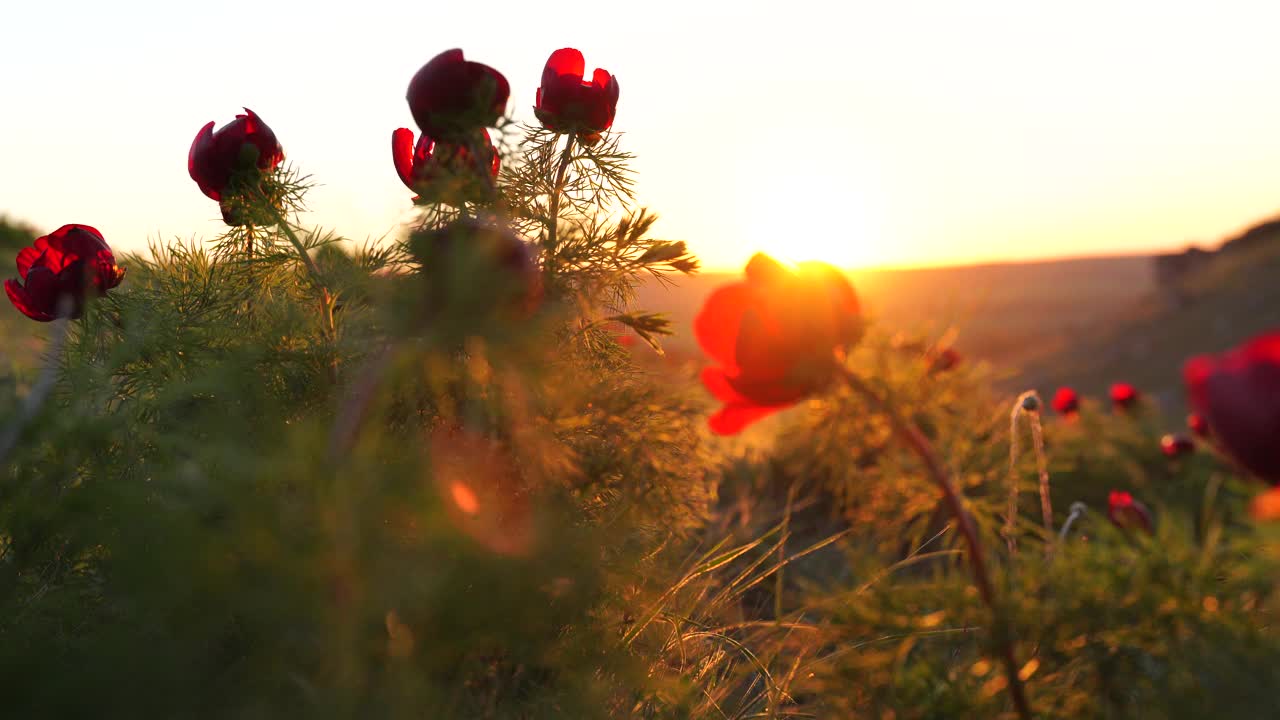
column 1213, row 302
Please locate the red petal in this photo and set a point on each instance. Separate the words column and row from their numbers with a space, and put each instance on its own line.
column 196, row 158
column 28, row 256
column 600, row 78
column 565, row 61
column 37, row 305
column 22, row 300
column 765, row 270
column 402, row 154
column 717, row 323
column 731, row 419
column 716, row 382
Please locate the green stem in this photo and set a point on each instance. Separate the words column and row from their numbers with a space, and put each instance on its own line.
column 326, row 297
column 556, row 191
column 920, row 445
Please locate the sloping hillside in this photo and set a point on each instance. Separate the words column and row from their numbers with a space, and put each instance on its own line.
column 1224, row 299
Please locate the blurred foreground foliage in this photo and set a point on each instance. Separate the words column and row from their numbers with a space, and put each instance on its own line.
column 438, row 507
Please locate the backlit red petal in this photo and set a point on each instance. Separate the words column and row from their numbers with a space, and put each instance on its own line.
column 565, row 61
column 197, row 159
column 402, row 154
column 22, row 301
column 717, row 323
column 716, row 382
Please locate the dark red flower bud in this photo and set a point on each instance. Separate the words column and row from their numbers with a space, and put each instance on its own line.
column 73, row 262
column 1238, row 395
column 568, row 104
column 1175, row 445
column 944, row 360
column 1197, row 425
column 245, row 146
column 454, row 257
column 1065, row 401
column 1125, row 512
column 451, row 97
column 443, row 171
column 1124, row 396
column 775, row 337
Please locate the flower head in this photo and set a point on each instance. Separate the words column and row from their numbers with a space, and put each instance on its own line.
column 1175, row 445
column 774, row 337
column 442, row 170
column 475, row 268
column 566, row 103
column 73, row 262
column 451, row 97
column 1197, row 425
column 1124, row 396
column 1238, row 395
column 941, row 361
column 1065, row 401
column 243, row 145
column 1125, row 512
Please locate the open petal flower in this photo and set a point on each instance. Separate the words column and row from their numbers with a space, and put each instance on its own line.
column 451, row 97
column 1197, row 425
column 1066, row 401
column 1238, row 396
column 59, row 271
column 1127, row 513
column 774, row 337
column 243, row 145
column 444, row 171
column 566, row 103
column 1124, row 397
column 1175, row 445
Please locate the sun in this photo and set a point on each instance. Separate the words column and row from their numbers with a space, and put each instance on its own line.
column 833, row 225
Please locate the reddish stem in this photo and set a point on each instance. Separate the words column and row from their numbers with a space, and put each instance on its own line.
column 920, row 445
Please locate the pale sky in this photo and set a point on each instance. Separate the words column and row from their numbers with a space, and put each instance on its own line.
column 864, row 133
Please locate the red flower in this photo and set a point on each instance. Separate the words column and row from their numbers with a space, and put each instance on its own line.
column 567, row 104
column 73, row 261
column 451, row 97
column 1065, row 401
column 244, row 143
column 1125, row 512
column 432, row 167
column 1176, row 445
column 1197, row 425
column 774, row 336
column 1238, row 395
column 1123, row 396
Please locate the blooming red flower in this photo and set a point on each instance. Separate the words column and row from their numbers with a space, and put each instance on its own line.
column 435, row 168
column 1123, row 396
column 1176, row 445
column 1125, row 512
column 72, row 262
column 239, row 146
column 1238, row 395
column 1065, row 401
column 774, row 336
column 1196, row 423
column 568, row 104
column 451, row 97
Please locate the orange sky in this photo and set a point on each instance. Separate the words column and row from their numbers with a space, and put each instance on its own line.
column 881, row 133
